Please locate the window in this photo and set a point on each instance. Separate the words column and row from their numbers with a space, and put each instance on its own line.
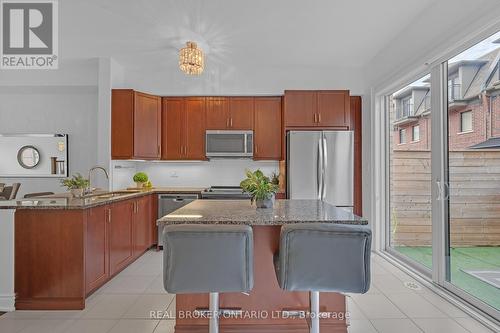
column 453, row 88
column 466, row 121
column 416, row 133
column 406, row 106
column 402, row 136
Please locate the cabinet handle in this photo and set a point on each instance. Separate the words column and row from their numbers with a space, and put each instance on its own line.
column 319, row 117
column 109, row 215
column 231, row 121
column 158, row 150
column 227, row 122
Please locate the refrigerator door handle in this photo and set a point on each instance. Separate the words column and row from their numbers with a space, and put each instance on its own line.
column 325, row 167
column 319, row 169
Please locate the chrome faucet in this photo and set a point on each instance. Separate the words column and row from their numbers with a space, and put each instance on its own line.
column 89, row 189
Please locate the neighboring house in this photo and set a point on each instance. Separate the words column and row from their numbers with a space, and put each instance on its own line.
column 473, row 108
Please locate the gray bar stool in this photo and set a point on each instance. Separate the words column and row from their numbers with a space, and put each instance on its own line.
column 201, row 258
column 318, row 257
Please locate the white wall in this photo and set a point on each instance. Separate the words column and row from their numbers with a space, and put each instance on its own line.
column 59, row 101
column 231, row 79
column 189, row 174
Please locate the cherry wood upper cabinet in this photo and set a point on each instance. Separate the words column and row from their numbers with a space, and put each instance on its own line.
column 122, row 123
column 135, row 125
column 267, row 128
column 229, row 113
column 217, row 113
column 147, row 126
column 333, row 108
column 172, row 128
column 194, row 128
column 184, row 124
column 241, row 113
column 96, row 248
column 300, row 108
column 317, row 108
column 121, row 243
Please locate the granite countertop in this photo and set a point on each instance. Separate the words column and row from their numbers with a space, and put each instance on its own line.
column 242, row 212
column 66, row 201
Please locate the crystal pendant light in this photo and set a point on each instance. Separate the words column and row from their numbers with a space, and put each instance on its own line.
column 191, row 59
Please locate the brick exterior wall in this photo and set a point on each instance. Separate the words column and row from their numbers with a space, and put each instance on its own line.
column 482, row 127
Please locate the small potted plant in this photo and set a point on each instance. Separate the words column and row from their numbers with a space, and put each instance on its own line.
column 260, row 187
column 140, row 179
column 76, row 185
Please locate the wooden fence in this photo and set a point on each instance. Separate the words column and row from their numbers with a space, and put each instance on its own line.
column 474, row 198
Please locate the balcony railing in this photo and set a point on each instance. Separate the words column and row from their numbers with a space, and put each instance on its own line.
column 405, row 111
column 454, row 92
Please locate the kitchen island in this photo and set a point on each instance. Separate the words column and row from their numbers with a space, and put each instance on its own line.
column 267, row 308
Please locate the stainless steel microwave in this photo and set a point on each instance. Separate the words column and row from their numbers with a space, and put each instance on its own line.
column 229, row 144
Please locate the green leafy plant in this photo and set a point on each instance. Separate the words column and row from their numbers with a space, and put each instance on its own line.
column 75, row 182
column 275, row 178
column 258, row 185
column 140, row 177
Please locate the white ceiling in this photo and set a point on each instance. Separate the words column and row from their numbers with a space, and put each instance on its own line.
column 277, row 33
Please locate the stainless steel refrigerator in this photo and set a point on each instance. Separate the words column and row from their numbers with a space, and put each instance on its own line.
column 320, row 166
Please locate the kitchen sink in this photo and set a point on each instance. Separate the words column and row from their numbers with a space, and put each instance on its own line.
column 109, row 195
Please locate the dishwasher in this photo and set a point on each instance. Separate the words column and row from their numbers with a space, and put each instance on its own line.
column 168, row 203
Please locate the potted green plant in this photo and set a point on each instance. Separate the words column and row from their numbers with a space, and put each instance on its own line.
column 260, row 187
column 140, row 179
column 76, row 184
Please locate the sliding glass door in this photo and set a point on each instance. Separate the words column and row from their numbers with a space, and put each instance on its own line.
column 473, row 237
column 409, row 128
column 443, row 174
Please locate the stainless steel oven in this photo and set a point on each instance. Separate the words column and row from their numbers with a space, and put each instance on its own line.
column 232, row 144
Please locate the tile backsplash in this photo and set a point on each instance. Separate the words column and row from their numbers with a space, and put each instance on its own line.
column 188, row 174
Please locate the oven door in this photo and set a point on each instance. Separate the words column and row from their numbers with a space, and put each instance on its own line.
column 229, row 144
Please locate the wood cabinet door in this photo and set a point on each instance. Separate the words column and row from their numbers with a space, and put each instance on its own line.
column 147, row 126
column 300, row 108
column 241, row 113
column 194, row 129
column 267, row 129
column 96, row 248
column 122, row 123
column 121, row 250
column 153, row 239
column 356, row 119
column 217, row 113
column 172, row 128
column 142, row 225
column 333, row 108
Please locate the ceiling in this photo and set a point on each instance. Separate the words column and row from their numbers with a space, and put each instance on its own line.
column 277, row 33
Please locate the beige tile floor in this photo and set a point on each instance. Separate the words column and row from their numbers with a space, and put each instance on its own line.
column 123, row 305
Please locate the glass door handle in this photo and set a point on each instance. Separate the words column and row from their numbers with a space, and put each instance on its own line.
column 443, row 190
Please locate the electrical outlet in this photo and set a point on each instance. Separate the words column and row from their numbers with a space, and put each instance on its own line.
column 173, row 174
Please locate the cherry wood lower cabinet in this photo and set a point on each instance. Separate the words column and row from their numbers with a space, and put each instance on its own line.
column 63, row 255
column 356, row 118
column 121, row 247
column 142, row 225
column 263, row 309
column 96, row 248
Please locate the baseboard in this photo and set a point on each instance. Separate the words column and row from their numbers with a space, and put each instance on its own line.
column 7, row 303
